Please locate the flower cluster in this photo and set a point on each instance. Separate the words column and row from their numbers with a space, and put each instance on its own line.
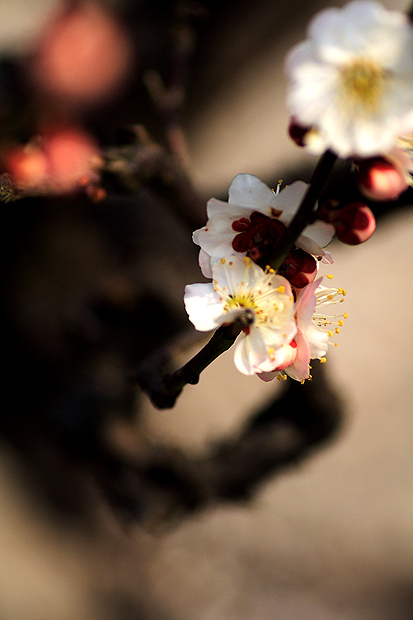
column 286, row 326
column 351, row 91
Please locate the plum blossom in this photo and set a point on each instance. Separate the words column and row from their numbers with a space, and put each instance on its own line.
column 253, row 221
column 239, row 286
column 351, row 80
column 314, row 331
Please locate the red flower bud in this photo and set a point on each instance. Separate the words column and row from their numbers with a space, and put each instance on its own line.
column 299, row 268
column 297, row 132
column 354, row 223
column 379, row 179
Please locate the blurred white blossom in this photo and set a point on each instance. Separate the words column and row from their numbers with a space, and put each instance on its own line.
column 351, row 80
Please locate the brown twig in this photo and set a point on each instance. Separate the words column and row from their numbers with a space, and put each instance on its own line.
column 164, row 391
column 304, row 213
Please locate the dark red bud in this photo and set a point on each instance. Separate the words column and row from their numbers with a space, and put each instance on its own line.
column 297, row 132
column 354, row 223
column 299, row 268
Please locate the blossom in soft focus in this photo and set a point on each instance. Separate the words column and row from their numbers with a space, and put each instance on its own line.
column 351, row 80
column 238, row 286
column 60, row 161
column 254, row 220
column 83, row 56
column 315, row 329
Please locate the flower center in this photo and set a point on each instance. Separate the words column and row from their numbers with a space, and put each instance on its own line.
column 363, row 82
column 240, row 300
column 257, row 236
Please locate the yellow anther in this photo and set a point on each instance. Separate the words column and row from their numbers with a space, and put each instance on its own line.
column 223, row 261
column 345, row 315
column 330, row 333
column 281, row 289
column 335, row 344
column 323, row 360
column 337, row 330
column 247, row 261
column 330, row 296
column 284, row 377
column 341, row 323
column 330, row 276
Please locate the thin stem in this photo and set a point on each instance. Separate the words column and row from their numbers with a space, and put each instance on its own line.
column 301, row 219
column 164, row 392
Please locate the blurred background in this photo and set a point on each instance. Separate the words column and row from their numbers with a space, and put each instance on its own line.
column 246, row 500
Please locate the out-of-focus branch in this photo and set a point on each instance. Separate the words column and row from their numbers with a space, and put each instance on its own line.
column 146, row 164
column 8, row 191
column 169, row 95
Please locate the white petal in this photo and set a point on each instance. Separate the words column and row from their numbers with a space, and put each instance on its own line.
column 247, row 190
column 204, row 307
column 204, row 261
column 250, row 352
column 288, row 199
column 317, row 340
column 275, row 335
column 320, row 232
column 214, row 243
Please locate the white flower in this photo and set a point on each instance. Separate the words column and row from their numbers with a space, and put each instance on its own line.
column 352, row 79
column 240, row 285
column 257, row 216
column 314, row 331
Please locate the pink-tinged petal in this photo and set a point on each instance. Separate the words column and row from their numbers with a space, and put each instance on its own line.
column 300, row 369
column 204, row 307
column 317, row 340
column 249, row 191
column 204, row 260
column 327, row 258
column 305, row 305
column 267, row 376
